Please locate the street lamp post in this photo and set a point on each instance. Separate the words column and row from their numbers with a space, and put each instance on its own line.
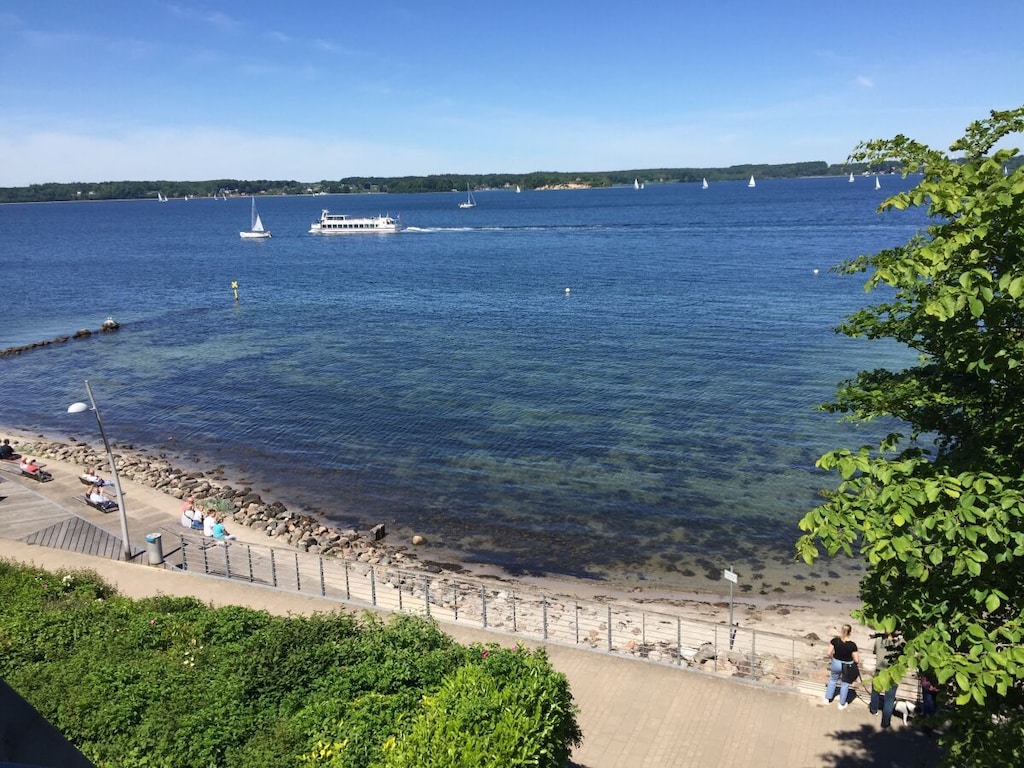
column 126, row 547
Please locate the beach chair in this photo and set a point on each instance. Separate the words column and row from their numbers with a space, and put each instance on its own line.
column 93, row 483
column 103, row 506
column 40, row 475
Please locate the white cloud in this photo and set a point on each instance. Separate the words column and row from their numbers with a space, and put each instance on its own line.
column 214, row 18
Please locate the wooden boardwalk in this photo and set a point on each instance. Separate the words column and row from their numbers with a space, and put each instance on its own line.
column 39, row 516
column 77, row 535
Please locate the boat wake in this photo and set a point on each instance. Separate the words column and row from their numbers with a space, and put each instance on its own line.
column 530, row 228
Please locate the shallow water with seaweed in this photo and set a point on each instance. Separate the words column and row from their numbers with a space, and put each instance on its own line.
column 655, row 422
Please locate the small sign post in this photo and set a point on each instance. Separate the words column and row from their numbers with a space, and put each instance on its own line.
column 731, row 577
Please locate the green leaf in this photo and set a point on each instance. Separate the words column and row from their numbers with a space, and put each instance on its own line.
column 1016, row 287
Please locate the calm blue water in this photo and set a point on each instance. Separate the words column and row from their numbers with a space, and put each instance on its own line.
column 657, row 420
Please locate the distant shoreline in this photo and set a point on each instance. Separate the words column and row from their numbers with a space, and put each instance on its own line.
column 438, row 183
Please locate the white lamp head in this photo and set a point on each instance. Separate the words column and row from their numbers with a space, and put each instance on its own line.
column 77, row 407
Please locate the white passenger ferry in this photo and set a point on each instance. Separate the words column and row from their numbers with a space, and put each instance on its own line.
column 340, row 223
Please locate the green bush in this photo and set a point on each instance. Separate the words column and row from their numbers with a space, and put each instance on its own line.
column 509, row 710
column 216, row 505
column 169, row 681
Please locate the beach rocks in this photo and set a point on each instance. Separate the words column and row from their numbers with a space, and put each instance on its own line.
column 243, row 505
column 109, row 325
column 706, row 652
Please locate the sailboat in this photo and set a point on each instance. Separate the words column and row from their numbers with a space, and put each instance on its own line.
column 704, row 184
column 636, row 183
column 877, row 184
column 851, row 178
column 256, row 230
column 751, row 183
column 470, row 202
column 518, row 190
column 161, row 197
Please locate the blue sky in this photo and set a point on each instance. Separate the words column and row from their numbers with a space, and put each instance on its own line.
column 148, row 89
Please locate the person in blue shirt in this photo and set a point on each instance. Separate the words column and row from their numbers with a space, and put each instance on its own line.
column 219, row 531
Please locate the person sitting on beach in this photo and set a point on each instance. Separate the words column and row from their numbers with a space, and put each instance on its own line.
column 190, row 516
column 6, row 452
column 208, row 523
column 30, row 466
column 219, row 531
column 92, row 478
column 98, row 499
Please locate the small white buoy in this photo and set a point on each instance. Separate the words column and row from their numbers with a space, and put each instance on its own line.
column 566, row 291
column 815, row 271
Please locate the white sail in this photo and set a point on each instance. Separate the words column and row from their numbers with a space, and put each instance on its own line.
column 636, row 183
column 877, row 184
column 751, row 183
column 851, row 178
column 704, row 184
column 256, row 230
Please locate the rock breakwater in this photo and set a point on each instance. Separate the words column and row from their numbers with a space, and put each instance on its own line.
column 243, row 506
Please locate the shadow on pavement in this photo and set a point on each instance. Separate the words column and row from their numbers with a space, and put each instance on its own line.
column 904, row 746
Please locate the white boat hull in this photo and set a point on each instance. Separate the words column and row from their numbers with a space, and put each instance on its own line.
column 342, row 224
column 254, row 235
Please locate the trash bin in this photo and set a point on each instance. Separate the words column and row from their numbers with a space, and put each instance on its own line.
column 154, row 548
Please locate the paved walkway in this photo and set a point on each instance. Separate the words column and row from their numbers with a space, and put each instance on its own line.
column 633, row 714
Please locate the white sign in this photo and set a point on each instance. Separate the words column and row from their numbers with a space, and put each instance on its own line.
column 730, row 576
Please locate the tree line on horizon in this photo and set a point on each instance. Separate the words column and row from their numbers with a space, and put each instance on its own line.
column 143, row 190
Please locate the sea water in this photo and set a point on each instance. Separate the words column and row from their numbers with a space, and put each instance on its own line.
column 610, row 384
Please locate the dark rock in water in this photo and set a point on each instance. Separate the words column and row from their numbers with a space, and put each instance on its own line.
column 83, row 333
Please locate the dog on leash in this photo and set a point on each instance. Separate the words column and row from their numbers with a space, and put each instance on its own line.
column 905, row 709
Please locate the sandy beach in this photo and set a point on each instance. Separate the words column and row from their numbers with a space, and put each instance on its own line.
column 804, row 615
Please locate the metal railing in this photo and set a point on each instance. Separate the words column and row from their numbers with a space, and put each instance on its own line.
column 653, row 636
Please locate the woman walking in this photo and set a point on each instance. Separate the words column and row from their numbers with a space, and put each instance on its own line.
column 842, row 653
